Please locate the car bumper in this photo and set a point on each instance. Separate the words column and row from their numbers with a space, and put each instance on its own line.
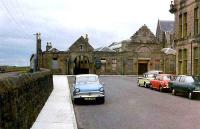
column 196, row 91
column 165, row 87
column 89, row 97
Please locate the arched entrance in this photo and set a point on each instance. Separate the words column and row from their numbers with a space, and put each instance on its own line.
column 81, row 65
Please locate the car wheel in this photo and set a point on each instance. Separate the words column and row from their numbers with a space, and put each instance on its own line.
column 102, row 100
column 173, row 91
column 138, row 84
column 151, row 87
column 161, row 89
column 145, row 85
column 190, row 95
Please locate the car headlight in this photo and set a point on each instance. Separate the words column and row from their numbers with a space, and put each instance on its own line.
column 77, row 90
column 101, row 89
column 197, row 88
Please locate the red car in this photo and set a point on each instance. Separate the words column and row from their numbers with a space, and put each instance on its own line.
column 160, row 82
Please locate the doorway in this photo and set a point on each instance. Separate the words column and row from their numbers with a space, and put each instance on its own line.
column 81, row 65
column 142, row 68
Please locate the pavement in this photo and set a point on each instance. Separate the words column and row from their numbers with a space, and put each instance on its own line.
column 58, row 112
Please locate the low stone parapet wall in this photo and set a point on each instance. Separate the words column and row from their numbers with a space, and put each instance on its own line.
column 22, row 98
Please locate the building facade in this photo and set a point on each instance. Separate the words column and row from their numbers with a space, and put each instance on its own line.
column 165, row 36
column 134, row 56
column 187, row 35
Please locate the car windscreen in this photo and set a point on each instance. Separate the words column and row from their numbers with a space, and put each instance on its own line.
column 87, row 79
column 190, row 79
column 166, row 78
column 149, row 75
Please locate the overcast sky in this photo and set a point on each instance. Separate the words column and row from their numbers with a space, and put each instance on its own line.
column 62, row 22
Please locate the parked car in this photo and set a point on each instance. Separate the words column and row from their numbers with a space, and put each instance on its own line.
column 161, row 82
column 87, row 87
column 145, row 80
column 186, row 84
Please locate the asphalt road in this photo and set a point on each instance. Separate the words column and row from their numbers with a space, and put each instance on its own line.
column 128, row 106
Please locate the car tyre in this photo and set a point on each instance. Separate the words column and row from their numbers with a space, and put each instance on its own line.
column 173, row 91
column 151, row 87
column 75, row 101
column 161, row 89
column 145, row 85
column 190, row 95
column 102, row 100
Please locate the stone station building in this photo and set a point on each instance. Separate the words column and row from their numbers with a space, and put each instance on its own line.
column 135, row 56
column 187, row 35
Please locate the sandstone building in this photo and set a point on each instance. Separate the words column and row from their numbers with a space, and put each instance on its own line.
column 134, row 56
column 165, row 36
column 187, row 35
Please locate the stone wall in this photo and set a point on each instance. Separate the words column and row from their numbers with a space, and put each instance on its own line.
column 22, row 98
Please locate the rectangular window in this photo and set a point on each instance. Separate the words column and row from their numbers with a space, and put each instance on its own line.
column 180, row 26
column 196, row 21
column 130, row 65
column 172, row 67
column 185, row 61
column 179, row 67
column 103, row 65
column 185, row 25
column 180, row 55
column 114, row 65
column 195, row 61
column 180, row 62
column 55, row 64
column 185, row 54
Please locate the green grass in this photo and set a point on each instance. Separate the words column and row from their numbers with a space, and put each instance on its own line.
column 17, row 69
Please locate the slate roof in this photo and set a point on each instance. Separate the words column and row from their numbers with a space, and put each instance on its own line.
column 104, row 49
column 166, row 26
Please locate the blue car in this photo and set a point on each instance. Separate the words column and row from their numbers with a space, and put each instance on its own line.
column 87, row 87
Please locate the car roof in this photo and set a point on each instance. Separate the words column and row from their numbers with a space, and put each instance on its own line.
column 182, row 75
column 86, row 75
column 153, row 72
column 164, row 74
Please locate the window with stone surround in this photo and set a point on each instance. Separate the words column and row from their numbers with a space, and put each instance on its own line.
column 180, row 55
column 196, row 21
column 185, row 61
column 195, row 61
column 184, row 24
column 130, row 65
column 103, row 65
column 180, row 61
column 180, row 26
column 55, row 64
column 114, row 65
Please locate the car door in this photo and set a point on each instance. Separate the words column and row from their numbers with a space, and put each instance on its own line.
column 155, row 82
column 176, row 84
column 158, row 81
column 182, row 86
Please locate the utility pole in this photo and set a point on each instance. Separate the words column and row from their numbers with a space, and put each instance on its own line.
column 38, row 37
